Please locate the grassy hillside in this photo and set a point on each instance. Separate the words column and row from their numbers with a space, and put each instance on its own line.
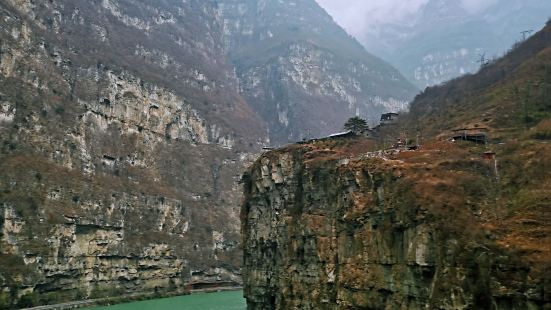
column 511, row 98
column 508, row 96
column 339, row 214
column 499, row 206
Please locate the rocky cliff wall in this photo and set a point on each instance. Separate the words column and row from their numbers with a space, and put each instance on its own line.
column 323, row 230
column 120, row 151
column 302, row 73
column 124, row 126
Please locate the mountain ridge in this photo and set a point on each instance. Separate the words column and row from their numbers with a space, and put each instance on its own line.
column 330, row 68
column 439, row 219
column 427, row 55
column 124, row 128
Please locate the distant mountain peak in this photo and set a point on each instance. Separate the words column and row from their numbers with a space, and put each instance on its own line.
column 296, row 64
column 442, row 41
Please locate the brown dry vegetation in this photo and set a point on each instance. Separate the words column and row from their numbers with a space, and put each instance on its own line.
column 511, row 209
column 512, row 98
column 484, row 207
column 459, row 187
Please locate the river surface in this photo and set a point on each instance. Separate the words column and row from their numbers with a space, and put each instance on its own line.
column 232, row 300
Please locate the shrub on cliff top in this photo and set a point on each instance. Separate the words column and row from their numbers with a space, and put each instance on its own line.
column 28, row 300
column 356, row 124
column 4, row 300
column 542, row 131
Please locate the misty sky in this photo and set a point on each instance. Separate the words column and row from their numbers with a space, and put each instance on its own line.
column 356, row 16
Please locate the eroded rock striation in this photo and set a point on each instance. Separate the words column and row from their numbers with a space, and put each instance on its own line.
column 302, row 73
column 326, row 230
column 122, row 137
column 124, row 128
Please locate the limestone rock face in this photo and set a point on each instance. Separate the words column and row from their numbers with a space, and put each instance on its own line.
column 125, row 125
column 302, row 73
column 122, row 138
column 322, row 233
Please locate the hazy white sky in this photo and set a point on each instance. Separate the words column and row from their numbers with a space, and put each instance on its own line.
column 477, row 5
column 357, row 15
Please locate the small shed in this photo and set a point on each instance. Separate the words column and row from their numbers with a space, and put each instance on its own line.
column 477, row 135
column 371, row 132
column 489, row 155
column 341, row 135
column 389, row 118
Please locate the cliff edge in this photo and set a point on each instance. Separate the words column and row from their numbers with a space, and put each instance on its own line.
column 328, row 225
column 460, row 221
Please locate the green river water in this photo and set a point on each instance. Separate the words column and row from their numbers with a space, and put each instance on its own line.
column 199, row 301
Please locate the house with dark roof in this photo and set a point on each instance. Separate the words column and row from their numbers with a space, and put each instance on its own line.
column 389, row 118
column 477, row 135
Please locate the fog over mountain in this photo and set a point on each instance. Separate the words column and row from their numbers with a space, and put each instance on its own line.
column 358, row 16
column 432, row 41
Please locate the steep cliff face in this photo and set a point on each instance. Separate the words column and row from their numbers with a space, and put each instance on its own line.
column 339, row 224
column 302, row 73
column 122, row 134
column 124, row 126
column 326, row 229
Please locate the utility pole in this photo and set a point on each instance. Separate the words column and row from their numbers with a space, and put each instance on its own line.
column 525, row 100
column 482, row 60
column 546, row 87
column 526, row 34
